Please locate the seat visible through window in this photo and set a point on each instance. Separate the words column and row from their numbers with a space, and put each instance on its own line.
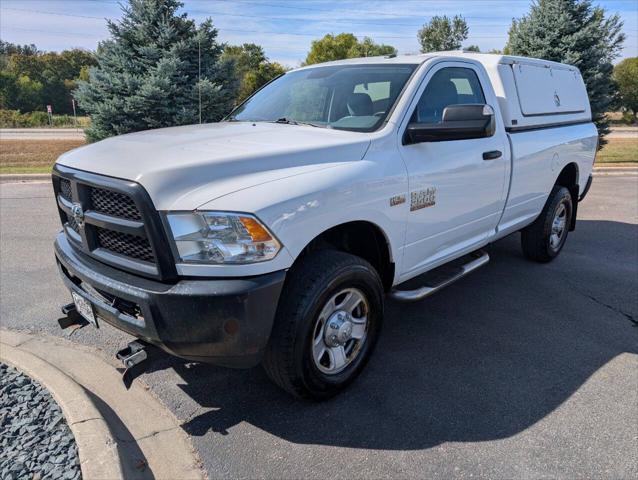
column 448, row 86
column 359, row 104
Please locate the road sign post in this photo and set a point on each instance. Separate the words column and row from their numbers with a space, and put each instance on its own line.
column 75, row 120
column 50, row 114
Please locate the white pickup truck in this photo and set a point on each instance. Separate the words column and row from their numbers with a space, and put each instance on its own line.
column 275, row 235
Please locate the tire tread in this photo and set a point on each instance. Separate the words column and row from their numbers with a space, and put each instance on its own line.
column 302, row 284
column 534, row 237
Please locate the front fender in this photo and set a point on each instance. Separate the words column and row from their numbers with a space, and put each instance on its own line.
column 298, row 209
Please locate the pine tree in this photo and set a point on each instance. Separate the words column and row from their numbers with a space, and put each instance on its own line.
column 149, row 76
column 577, row 33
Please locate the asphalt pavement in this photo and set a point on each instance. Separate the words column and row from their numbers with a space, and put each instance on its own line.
column 520, row 370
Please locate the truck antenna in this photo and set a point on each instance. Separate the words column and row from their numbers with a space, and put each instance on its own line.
column 199, row 75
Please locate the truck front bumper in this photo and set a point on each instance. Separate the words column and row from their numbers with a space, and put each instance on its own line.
column 225, row 322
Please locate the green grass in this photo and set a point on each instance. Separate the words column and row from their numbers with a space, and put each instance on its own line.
column 619, row 150
column 15, row 119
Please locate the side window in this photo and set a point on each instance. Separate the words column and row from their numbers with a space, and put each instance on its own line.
column 448, row 86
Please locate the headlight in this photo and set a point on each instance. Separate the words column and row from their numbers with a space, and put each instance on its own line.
column 221, row 237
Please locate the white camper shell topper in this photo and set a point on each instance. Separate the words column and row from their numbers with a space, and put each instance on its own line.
column 275, row 235
column 533, row 93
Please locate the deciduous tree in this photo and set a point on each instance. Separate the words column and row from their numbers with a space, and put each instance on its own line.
column 31, row 79
column 252, row 67
column 345, row 45
column 626, row 77
column 443, row 33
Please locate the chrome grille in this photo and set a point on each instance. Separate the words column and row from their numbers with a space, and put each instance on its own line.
column 114, row 203
column 125, row 244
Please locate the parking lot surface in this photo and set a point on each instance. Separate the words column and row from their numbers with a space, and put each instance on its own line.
column 519, row 370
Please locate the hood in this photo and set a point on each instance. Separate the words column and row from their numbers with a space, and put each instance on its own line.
column 184, row 167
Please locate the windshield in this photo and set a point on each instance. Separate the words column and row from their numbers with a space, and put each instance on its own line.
column 347, row 97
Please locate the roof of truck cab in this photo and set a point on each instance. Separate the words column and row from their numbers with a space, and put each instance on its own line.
column 487, row 59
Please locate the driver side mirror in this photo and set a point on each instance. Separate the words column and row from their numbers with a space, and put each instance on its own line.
column 459, row 122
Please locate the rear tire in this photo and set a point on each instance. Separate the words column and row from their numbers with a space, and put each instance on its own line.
column 544, row 239
column 328, row 320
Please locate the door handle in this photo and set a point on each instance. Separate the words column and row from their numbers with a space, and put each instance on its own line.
column 493, row 155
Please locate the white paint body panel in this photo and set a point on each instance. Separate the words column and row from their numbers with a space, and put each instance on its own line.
column 301, row 181
column 470, row 192
column 184, row 167
column 537, row 158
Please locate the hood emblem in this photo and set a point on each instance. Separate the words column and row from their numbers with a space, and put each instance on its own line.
column 556, row 99
column 78, row 214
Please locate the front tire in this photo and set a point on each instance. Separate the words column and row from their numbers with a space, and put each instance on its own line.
column 328, row 321
column 543, row 240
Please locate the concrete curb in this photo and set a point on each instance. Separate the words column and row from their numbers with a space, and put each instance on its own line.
column 615, row 170
column 97, row 448
column 145, row 440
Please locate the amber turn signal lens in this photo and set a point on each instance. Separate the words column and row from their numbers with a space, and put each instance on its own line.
column 255, row 230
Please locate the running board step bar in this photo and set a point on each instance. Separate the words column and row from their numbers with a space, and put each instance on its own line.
column 480, row 258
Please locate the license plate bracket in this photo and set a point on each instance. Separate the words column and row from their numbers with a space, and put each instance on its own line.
column 84, row 308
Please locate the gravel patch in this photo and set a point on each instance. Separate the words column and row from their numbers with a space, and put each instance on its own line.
column 35, row 440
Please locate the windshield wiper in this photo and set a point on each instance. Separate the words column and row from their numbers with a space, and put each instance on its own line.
column 288, row 121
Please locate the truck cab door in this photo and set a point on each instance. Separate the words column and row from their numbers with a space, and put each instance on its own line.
column 457, row 187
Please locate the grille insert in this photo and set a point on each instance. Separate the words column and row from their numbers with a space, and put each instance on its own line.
column 65, row 189
column 73, row 224
column 125, row 244
column 114, row 203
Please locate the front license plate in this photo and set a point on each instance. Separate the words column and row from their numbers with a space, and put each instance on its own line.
column 84, row 308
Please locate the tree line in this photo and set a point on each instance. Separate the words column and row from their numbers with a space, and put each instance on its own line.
column 31, row 79
column 159, row 68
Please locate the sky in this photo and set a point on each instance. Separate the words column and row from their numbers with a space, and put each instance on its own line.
column 285, row 28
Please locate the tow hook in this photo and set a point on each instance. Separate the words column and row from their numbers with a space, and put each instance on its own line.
column 72, row 318
column 134, row 357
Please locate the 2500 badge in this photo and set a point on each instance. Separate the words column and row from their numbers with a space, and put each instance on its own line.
column 422, row 199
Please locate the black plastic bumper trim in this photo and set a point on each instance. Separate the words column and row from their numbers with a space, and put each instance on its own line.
column 223, row 321
column 586, row 189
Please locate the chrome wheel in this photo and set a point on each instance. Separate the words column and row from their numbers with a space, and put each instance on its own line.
column 340, row 331
column 558, row 227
